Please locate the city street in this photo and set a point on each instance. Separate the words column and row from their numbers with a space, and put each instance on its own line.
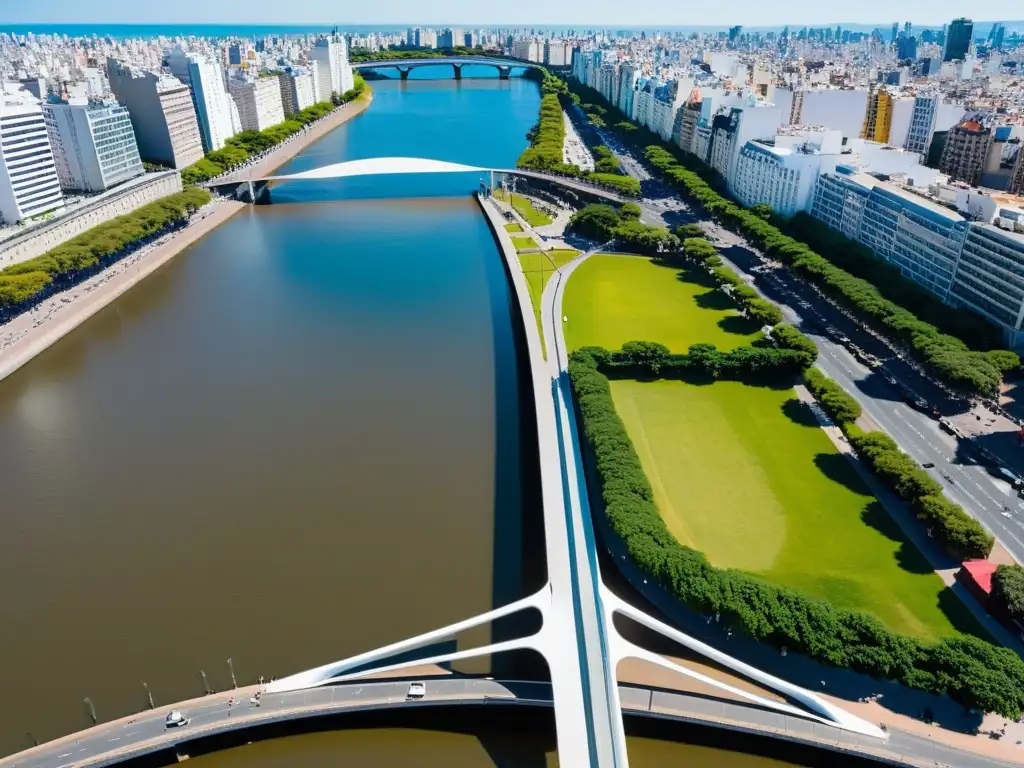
column 956, row 463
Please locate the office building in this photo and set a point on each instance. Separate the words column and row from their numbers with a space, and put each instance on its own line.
column 330, row 57
column 258, row 101
column 557, row 53
column 930, row 114
column 297, row 91
column 205, row 76
column 93, row 143
column 451, row 38
column 162, row 114
column 990, row 278
column 528, row 49
column 958, row 40
column 966, row 149
column 29, row 184
column 921, row 238
column 781, row 172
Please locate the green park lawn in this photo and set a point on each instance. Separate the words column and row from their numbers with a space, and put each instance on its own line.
column 538, row 268
column 513, row 227
column 612, row 299
column 524, row 243
column 526, row 209
column 743, row 473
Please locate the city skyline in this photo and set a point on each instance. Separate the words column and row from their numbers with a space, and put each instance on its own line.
column 646, row 13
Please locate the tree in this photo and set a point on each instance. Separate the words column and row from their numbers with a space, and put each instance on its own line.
column 685, row 231
column 648, row 354
column 630, row 211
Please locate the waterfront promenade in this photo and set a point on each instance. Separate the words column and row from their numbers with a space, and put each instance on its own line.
column 29, row 334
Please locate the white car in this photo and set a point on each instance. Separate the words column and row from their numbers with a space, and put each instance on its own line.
column 175, row 719
column 416, row 691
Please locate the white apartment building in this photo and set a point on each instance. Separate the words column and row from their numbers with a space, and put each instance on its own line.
column 205, row 76
column 297, row 90
column 162, row 113
column 629, row 74
column 258, row 101
column 93, row 143
column 731, row 129
column 782, row 173
column 557, row 53
column 836, row 108
column 28, row 176
column 528, row 50
column 330, row 57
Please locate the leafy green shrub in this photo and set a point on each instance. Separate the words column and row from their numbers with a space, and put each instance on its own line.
column 1007, row 598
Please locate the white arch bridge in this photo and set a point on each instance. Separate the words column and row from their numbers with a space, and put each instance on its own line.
column 256, row 190
column 404, row 66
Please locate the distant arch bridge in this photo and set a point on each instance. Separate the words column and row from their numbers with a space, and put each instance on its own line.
column 404, row 66
column 257, row 190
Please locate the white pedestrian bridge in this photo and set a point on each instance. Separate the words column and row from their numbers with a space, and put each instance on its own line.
column 255, row 189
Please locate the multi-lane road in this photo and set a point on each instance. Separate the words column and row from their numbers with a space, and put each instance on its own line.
column 880, row 391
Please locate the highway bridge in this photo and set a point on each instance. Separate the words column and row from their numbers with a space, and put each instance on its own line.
column 404, row 66
column 577, row 636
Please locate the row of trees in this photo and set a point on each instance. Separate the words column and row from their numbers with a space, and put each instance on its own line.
column 973, row 672
column 756, row 308
column 397, row 54
column 752, row 363
column 547, row 142
column 242, row 146
column 860, row 261
column 959, row 533
column 29, row 281
column 600, row 221
column 948, row 357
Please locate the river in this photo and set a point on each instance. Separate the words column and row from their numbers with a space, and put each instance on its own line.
column 298, row 441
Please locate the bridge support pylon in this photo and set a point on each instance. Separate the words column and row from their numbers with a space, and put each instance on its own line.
column 504, row 73
column 458, row 71
column 404, row 72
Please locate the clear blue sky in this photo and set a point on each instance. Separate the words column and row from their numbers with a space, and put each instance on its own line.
column 579, row 13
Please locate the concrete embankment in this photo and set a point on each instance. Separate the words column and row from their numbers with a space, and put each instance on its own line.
column 31, row 333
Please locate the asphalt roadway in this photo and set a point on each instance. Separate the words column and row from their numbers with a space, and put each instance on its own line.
column 115, row 742
column 957, row 464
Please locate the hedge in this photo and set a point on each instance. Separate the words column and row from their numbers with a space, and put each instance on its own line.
column 971, row 671
column 947, row 357
column 752, row 362
column 959, row 533
column 60, row 267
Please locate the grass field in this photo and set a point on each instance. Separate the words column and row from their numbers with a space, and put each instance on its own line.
column 612, row 299
column 743, row 473
column 526, row 209
column 538, row 268
column 524, row 243
column 513, row 227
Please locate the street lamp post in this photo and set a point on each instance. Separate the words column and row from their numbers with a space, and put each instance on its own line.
column 231, row 667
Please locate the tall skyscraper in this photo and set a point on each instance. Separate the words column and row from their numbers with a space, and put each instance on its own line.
column 28, row 176
column 93, row 143
column 958, row 39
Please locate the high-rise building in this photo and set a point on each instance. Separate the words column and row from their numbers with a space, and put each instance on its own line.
column 451, row 38
column 998, row 35
column 93, row 143
column 330, row 57
column 557, row 53
column 958, row 39
column 258, row 101
column 296, row 89
column 162, row 113
column 205, row 77
column 877, row 116
column 967, row 147
column 527, row 49
column 28, row 175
